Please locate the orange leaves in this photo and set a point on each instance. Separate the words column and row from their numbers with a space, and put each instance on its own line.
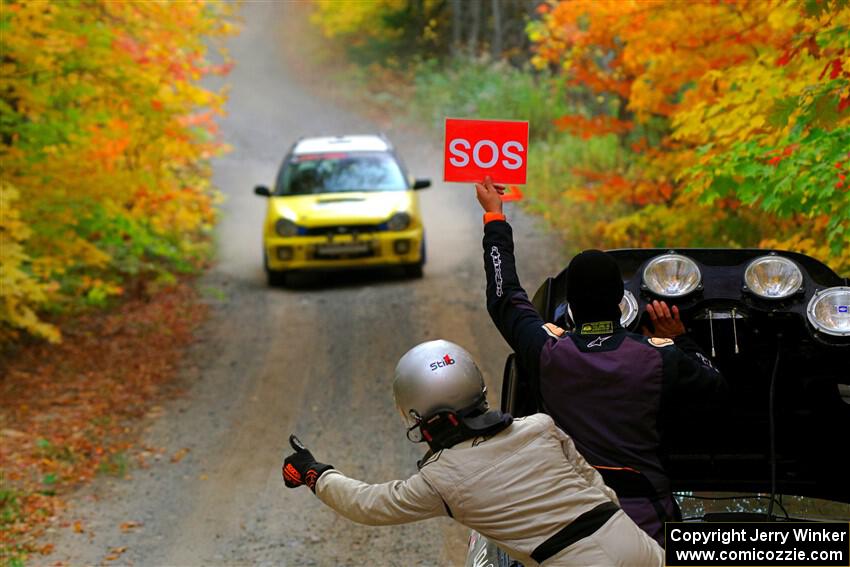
column 131, row 47
column 115, row 553
column 598, row 125
column 127, row 527
column 647, row 52
column 179, row 454
column 108, row 142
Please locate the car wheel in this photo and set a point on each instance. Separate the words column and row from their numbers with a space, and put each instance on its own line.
column 274, row 278
column 414, row 271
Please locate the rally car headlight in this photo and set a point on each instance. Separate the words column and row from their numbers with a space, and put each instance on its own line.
column 671, row 275
column 285, row 227
column 399, row 221
column 773, row 277
column 628, row 309
column 829, row 311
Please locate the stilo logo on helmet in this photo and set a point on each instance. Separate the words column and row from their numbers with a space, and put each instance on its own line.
column 446, row 361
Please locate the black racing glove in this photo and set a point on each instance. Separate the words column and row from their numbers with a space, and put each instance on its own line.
column 301, row 467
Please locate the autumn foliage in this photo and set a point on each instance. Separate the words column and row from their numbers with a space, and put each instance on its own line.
column 105, row 133
column 733, row 117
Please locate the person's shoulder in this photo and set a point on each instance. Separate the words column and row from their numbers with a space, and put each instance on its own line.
column 659, row 342
column 536, row 421
column 652, row 343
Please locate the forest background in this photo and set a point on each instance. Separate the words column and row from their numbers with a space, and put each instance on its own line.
column 654, row 124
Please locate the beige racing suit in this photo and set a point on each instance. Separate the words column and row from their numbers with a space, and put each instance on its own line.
column 526, row 488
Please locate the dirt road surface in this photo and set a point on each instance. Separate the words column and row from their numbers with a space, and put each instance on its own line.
column 316, row 360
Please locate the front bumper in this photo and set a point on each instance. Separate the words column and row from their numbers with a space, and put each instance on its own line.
column 383, row 248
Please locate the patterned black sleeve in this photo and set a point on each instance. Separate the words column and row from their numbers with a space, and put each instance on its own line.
column 507, row 303
column 688, row 371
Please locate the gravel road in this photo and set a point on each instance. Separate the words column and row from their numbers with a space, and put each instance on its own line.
column 316, row 360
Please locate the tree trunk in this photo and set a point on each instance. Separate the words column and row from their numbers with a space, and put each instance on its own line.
column 475, row 9
column 457, row 26
column 496, row 40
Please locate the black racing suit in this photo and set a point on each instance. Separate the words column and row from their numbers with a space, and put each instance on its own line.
column 606, row 387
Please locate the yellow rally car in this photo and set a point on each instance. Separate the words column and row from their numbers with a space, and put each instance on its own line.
column 342, row 202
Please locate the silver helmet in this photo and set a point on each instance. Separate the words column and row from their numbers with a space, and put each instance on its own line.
column 437, row 375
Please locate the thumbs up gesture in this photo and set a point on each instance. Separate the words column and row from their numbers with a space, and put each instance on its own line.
column 301, row 467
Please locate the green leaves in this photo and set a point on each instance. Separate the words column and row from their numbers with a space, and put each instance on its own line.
column 802, row 176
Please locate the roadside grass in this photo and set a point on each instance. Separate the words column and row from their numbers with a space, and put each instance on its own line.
column 71, row 412
column 470, row 88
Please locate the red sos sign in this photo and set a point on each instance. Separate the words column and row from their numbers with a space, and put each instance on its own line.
column 476, row 148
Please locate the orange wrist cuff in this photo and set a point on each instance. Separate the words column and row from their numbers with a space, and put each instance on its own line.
column 493, row 217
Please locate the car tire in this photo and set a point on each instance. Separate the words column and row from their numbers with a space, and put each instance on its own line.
column 277, row 278
column 414, row 270
column 274, row 278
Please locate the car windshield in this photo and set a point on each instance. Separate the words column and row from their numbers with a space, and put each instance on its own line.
column 342, row 172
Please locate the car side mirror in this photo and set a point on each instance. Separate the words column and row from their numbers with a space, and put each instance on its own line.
column 262, row 191
column 421, row 183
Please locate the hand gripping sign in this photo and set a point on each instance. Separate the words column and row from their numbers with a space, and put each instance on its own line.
column 476, row 148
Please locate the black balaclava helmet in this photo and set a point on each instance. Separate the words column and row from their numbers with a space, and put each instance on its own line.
column 594, row 287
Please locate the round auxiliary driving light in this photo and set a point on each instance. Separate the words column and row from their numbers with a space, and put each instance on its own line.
column 671, row 275
column 773, row 277
column 628, row 309
column 829, row 311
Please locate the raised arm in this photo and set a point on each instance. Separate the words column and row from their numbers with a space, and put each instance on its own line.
column 507, row 303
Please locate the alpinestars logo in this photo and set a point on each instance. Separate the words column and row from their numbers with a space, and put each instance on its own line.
column 497, row 269
column 597, row 342
column 446, row 361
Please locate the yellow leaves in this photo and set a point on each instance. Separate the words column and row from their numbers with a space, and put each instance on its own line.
column 810, row 241
column 784, row 17
column 353, row 18
column 20, row 292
